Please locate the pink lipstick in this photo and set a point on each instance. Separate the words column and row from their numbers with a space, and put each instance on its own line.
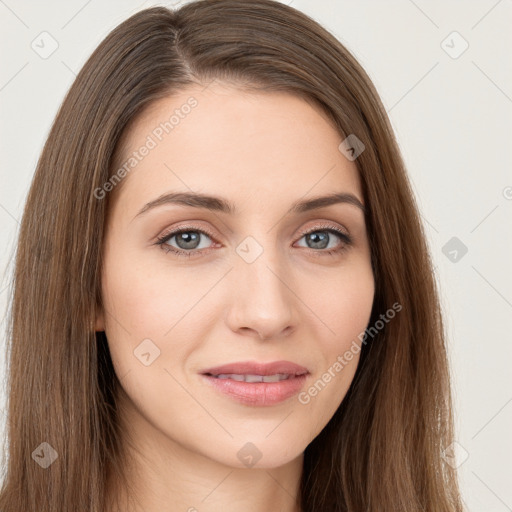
column 257, row 384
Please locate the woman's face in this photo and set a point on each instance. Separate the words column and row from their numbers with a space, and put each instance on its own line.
column 252, row 278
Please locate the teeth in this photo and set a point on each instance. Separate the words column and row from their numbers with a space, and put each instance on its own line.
column 276, row 378
column 254, row 378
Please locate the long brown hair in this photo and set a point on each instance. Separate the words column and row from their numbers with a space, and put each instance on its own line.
column 382, row 450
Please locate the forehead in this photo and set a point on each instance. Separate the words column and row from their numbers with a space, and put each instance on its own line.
column 227, row 141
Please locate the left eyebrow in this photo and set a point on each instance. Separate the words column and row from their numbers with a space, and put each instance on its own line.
column 324, row 201
column 219, row 204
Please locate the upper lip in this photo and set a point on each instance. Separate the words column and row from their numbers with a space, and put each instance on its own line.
column 255, row 368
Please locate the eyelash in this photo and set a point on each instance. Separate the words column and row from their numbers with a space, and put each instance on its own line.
column 345, row 245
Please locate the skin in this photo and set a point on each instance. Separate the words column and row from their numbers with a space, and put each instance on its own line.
column 262, row 151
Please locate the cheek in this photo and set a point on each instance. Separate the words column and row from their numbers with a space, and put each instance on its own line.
column 146, row 300
column 345, row 308
column 157, row 310
column 142, row 304
column 345, row 311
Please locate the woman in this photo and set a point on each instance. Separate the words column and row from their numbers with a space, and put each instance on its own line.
column 223, row 296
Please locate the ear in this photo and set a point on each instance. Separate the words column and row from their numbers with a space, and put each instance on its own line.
column 100, row 320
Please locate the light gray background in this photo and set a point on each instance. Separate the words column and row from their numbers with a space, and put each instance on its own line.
column 453, row 119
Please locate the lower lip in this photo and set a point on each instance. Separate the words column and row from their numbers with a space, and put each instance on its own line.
column 258, row 393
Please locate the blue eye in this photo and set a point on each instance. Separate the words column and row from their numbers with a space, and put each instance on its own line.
column 189, row 238
column 322, row 237
column 189, row 241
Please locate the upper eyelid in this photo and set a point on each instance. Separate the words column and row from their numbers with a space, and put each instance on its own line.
column 174, row 231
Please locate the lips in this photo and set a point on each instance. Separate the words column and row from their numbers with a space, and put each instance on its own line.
column 257, row 384
column 254, row 368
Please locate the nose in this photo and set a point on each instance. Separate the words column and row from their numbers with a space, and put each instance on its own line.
column 262, row 301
